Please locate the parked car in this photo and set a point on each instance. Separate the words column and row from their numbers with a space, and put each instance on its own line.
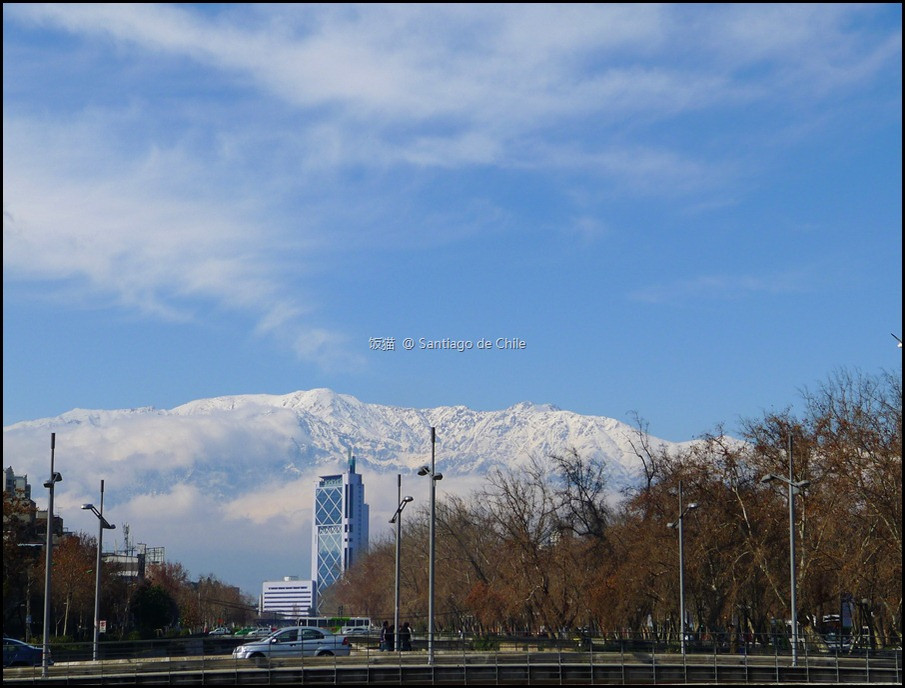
column 261, row 632
column 250, row 633
column 295, row 642
column 17, row 653
column 221, row 630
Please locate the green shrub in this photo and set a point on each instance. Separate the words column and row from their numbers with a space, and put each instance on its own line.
column 485, row 643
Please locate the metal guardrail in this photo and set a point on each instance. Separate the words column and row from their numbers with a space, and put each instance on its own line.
column 520, row 661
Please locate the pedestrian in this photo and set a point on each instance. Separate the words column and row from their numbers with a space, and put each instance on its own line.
column 405, row 637
column 391, row 637
column 383, row 635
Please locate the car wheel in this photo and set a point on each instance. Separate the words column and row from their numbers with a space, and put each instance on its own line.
column 325, row 653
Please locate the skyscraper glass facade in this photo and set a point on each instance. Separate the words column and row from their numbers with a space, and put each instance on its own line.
column 340, row 525
column 328, row 515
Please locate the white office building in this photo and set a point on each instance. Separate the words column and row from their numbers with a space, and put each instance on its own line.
column 290, row 597
column 340, row 525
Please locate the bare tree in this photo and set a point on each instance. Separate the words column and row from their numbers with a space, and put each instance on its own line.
column 581, row 494
column 541, row 546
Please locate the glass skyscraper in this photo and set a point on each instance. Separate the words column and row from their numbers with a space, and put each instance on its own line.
column 340, row 525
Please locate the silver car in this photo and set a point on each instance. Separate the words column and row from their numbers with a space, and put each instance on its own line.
column 296, row 641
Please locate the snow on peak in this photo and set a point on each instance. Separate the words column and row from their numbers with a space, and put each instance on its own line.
column 529, row 407
column 231, row 439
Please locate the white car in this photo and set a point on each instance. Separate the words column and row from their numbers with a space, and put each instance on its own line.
column 296, row 641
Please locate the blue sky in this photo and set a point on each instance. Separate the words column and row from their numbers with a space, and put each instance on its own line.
column 689, row 212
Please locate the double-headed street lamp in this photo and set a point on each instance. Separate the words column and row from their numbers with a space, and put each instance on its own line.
column 102, row 525
column 48, row 561
column 795, row 487
column 434, row 477
column 678, row 524
column 397, row 519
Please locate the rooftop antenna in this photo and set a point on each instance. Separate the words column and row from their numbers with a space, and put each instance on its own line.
column 351, row 461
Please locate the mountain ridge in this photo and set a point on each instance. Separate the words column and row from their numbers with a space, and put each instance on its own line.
column 236, row 435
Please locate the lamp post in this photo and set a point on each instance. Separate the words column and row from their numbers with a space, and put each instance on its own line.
column 48, row 561
column 102, row 524
column 794, row 489
column 397, row 519
column 434, row 477
column 678, row 524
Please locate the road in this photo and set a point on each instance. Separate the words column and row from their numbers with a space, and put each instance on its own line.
column 491, row 668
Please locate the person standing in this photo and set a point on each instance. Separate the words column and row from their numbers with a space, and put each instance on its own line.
column 383, row 635
column 391, row 638
column 405, row 637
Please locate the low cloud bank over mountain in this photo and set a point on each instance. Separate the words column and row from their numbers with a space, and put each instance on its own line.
column 236, row 473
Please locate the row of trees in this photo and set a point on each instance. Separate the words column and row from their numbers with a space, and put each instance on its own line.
column 163, row 600
column 548, row 546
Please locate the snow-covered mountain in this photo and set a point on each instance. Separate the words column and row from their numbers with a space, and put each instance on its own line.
column 223, row 444
column 226, row 484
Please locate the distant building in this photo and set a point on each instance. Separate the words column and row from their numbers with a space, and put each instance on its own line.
column 57, row 529
column 339, row 527
column 153, row 555
column 131, row 560
column 289, row 598
column 129, row 565
column 16, row 484
column 32, row 522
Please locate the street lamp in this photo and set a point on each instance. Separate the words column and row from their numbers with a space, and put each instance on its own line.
column 102, row 524
column 48, row 561
column 397, row 519
column 794, row 489
column 434, row 476
column 678, row 524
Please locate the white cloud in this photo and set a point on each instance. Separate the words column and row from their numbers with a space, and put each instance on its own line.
column 151, row 233
column 141, row 230
column 201, row 529
column 98, row 199
column 287, row 502
column 323, row 346
column 453, row 85
column 422, row 61
column 181, row 503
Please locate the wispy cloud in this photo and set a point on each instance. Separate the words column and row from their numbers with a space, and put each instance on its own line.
column 448, row 85
column 152, row 232
column 164, row 222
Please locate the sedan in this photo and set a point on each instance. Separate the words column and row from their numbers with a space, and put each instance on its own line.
column 17, row 653
column 295, row 642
